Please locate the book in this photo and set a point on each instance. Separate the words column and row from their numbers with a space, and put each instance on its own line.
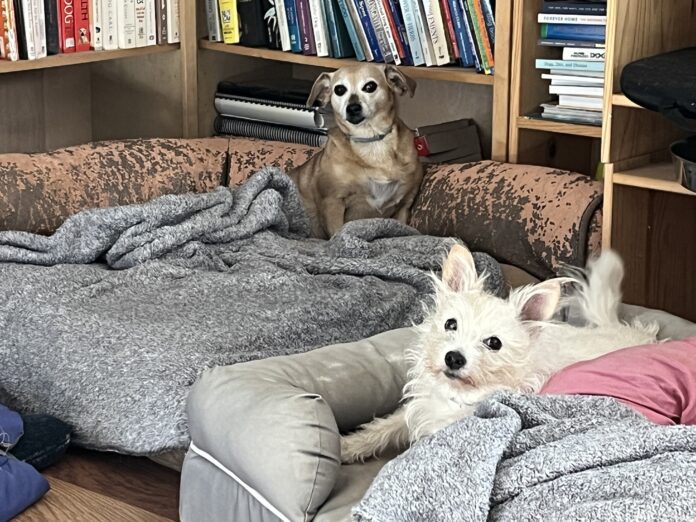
column 95, row 28
column 25, row 29
column 304, row 19
column 594, row 33
column 466, row 57
column 414, row 42
column 109, row 24
column 578, row 72
column 126, row 23
column 283, row 29
column 10, row 50
column 38, row 15
column 564, row 7
column 252, row 28
column 376, row 22
column 453, row 43
column 388, row 31
column 571, row 43
column 293, row 26
column 229, row 21
column 352, row 30
column 436, row 28
column 489, row 19
column 402, row 39
column 368, row 30
column 83, row 36
column 341, row 46
column 576, row 90
column 571, row 77
column 321, row 36
column 581, row 102
column 212, row 14
column 228, row 126
column 583, row 53
column 151, row 21
column 579, row 19
column 471, row 36
column 481, row 36
column 161, row 13
column 270, row 21
column 543, row 63
column 173, row 21
column 423, row 32
column 140, row 23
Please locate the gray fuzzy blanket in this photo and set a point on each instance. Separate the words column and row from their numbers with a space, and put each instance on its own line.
column 542, row 458
column 131, row 303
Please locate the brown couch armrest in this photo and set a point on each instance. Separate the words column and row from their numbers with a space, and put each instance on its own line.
column 248, row 155
column 535, row 218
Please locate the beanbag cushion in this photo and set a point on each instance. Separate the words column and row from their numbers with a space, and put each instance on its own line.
column 657, row 380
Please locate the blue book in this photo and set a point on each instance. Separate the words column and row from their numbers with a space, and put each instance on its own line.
column 465, row 50
column 369, row 30
column 401, row 29
column 414, row 42
column 570, row 65
column 469, row 33
column 585, row 33
column 293, row 26
column 489, row 18
column 339, row 39
column 352, row 33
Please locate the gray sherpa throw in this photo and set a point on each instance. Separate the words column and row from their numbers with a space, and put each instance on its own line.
column 133, row 302
column 541, row 458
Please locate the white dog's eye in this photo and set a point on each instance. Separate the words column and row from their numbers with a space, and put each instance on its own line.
column 451, row 324
column 370, row 87
column 493, row 343
column 340, row 90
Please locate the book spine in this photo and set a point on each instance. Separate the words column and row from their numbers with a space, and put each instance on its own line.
column 67, row 26
column 424, row 33
column 321, row 37
column 466, row 56
column 27, row 23
column 370, row 34
column 471, row 36
column 575, row 90
column 414, row 41
column 564, row 7
column 388, row 33
column 449, row 27
column 173, row 21
column 573, row 32
column 269, row 23
column 584, row 54
column 436, row 28
column 304, row 19
column 489, row 20
column 109, row 25
column 281, row 15
column 213, row 19
column 293, row 26
column 570, row 43
column 4, row 44
column 360, row 30
column 126, row 24
column 570, row 65
column 578, row 19
column 151, row 21
column 140, row 23
column 82, row 34
column 11, row 43
column 229, row 20
column 376, row 21
column 402, row 40
column 161, row 13
column 479, row 31
column 39, row 23
column 96, row 28
column 352, row 32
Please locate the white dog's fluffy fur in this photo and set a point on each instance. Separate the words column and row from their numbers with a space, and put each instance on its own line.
column 495, row 344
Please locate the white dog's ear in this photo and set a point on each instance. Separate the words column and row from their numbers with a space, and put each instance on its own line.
column 399, row 82
column 538, row 302
column 459, row 270
column 321, row 91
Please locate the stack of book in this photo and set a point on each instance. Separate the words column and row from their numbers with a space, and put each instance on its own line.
column 578, row 77
column 32, row 29
column 409, row 32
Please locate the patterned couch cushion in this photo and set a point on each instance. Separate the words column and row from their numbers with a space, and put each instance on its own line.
column 39, row 191
column 247, row 155
column 532, row 217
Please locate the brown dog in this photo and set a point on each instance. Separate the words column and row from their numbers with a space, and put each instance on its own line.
column 369, row 166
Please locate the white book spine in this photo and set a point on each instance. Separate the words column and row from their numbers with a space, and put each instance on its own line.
column 353, row 10
column 39, row 22
column 109, row 24
column 388, row 32
column 173, row 21
column 584, row 54
column 29, row 28
column 151, row 22
column 433, row 19
column 549, row 18
column 126, row 24
column 96, row 28
column 411, row 32
column 282, row 17
column 321, row 37
column 213, row 17
column 140, row 23
column 423, row 32
column 576, row 91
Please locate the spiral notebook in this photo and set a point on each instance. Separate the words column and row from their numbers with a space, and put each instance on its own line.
column 228, row 126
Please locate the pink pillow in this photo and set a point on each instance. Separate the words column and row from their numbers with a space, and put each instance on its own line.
column 657, row 380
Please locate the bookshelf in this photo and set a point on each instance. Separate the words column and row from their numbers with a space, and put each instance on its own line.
column 648, row 217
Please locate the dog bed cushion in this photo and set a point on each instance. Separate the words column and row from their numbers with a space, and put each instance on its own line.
column 657, row 380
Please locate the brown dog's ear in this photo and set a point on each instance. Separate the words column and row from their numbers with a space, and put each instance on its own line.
column 399, row 82
column 321, row 91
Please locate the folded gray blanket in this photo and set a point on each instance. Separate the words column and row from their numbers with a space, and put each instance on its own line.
column 526, row 457
column 133, row 302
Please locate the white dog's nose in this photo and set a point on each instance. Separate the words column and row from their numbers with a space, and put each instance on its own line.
column 454, row 360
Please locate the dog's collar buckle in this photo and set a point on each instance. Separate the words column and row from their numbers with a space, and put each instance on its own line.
column 370, row 139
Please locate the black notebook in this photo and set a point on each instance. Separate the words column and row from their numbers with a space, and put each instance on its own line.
column 293, row 92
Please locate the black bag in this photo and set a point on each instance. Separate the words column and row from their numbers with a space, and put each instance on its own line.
column 665, row 83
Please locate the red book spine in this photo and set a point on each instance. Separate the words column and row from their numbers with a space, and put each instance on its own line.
column 447, row 15
column 394, row 30
column 66, row 10
column 82, row 30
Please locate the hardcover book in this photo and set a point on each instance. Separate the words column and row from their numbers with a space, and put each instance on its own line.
column 359, row 30
column 67, row 26
column 25, row 29
column 341, row 46
column 109, row 24
column 583, row 53
column 213, row 18
column 251, row 23
column 452, row 43
column 352, row 31
column 161, row 13
column 579, row 19
column 480, row 32
column 126, row 23
column 230, row 21
column 270, row 18
column 570, row 43
column 9, row 31
column 140, row 23
column 402, row 38
column 593, row 33
column 82, row 30
column 380, row 35
column 95, row 28
column 283, row 29
column 39, row 20
column 293, row 26
column 370, row 35
column 414, row 41
column 304, row 19
column 542, row 63
column 468, row 20
column 388, row 32
column 466, row 58
column 173, row 21
column 423, row 32
column 563, row 7
column 321, row 36
column 151, row 21
column 433, row 17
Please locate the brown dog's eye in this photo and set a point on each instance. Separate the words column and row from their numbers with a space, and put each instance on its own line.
column 370, row 87
column 451, row 324
column 340, row 90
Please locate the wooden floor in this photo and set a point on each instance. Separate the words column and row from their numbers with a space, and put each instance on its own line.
column 91, row 486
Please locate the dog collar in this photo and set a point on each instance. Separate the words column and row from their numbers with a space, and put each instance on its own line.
column 371, row 139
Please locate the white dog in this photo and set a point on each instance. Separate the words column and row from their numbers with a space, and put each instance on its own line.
column 472, row 344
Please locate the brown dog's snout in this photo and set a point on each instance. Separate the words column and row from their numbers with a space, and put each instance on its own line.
column 354, row 109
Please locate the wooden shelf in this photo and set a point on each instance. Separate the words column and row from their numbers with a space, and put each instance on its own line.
column 575, row 129
column 61, row 60
column 620, row 100
column 450, row 74
column 657, row 176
